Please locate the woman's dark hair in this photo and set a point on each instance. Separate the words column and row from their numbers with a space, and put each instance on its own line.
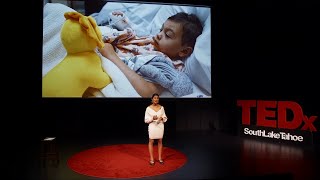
column 155, row 94
column 191, row 27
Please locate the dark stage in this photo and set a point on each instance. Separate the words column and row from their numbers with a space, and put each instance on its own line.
column 210, row 154
column 262, row 50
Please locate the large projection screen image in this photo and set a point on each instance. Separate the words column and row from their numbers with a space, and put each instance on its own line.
column 127, row 50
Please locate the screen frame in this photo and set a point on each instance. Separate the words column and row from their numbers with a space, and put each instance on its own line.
column 200, row 3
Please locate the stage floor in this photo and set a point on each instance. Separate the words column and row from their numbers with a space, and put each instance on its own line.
column 211, row 155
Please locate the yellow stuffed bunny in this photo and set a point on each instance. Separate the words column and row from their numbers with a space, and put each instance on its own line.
column 81, row 68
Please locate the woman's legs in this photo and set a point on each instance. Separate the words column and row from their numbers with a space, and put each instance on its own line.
column 150, row 147
column 160, row 150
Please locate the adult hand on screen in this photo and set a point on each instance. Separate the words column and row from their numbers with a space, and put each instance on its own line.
column 108, row 51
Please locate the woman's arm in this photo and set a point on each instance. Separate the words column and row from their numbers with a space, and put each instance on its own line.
column 164, row 117
column 148, row 118
column 143, row 87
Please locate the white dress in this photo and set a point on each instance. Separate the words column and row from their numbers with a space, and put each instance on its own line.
column 155, row 130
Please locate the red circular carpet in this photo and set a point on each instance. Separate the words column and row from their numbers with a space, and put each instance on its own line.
column 124, row 161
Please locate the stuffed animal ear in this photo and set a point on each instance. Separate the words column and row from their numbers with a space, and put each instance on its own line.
column 72, row 15
column 91, row 27
column 100, row 42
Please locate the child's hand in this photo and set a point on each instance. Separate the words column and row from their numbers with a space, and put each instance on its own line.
column 108, row 51
column 117, row 13
column 119, row 20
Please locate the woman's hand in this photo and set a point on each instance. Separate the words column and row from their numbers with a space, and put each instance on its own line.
column 108, row 51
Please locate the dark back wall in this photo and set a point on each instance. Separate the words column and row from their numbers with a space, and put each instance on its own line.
column 261, row 50
column 74, row 117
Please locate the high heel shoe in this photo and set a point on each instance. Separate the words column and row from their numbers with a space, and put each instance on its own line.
column 151, row 163
column 161, row 161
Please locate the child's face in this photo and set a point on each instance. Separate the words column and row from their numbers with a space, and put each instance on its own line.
column 169, row 39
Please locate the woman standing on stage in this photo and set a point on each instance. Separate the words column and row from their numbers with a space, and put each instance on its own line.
column 155, row 116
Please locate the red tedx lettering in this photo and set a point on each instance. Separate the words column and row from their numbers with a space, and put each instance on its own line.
column 267, row 111
column 283, row 122
column 308, row 123
column 246, row 105
column 263, row 114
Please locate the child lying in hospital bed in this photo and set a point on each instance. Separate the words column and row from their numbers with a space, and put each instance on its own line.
column 157, row 59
